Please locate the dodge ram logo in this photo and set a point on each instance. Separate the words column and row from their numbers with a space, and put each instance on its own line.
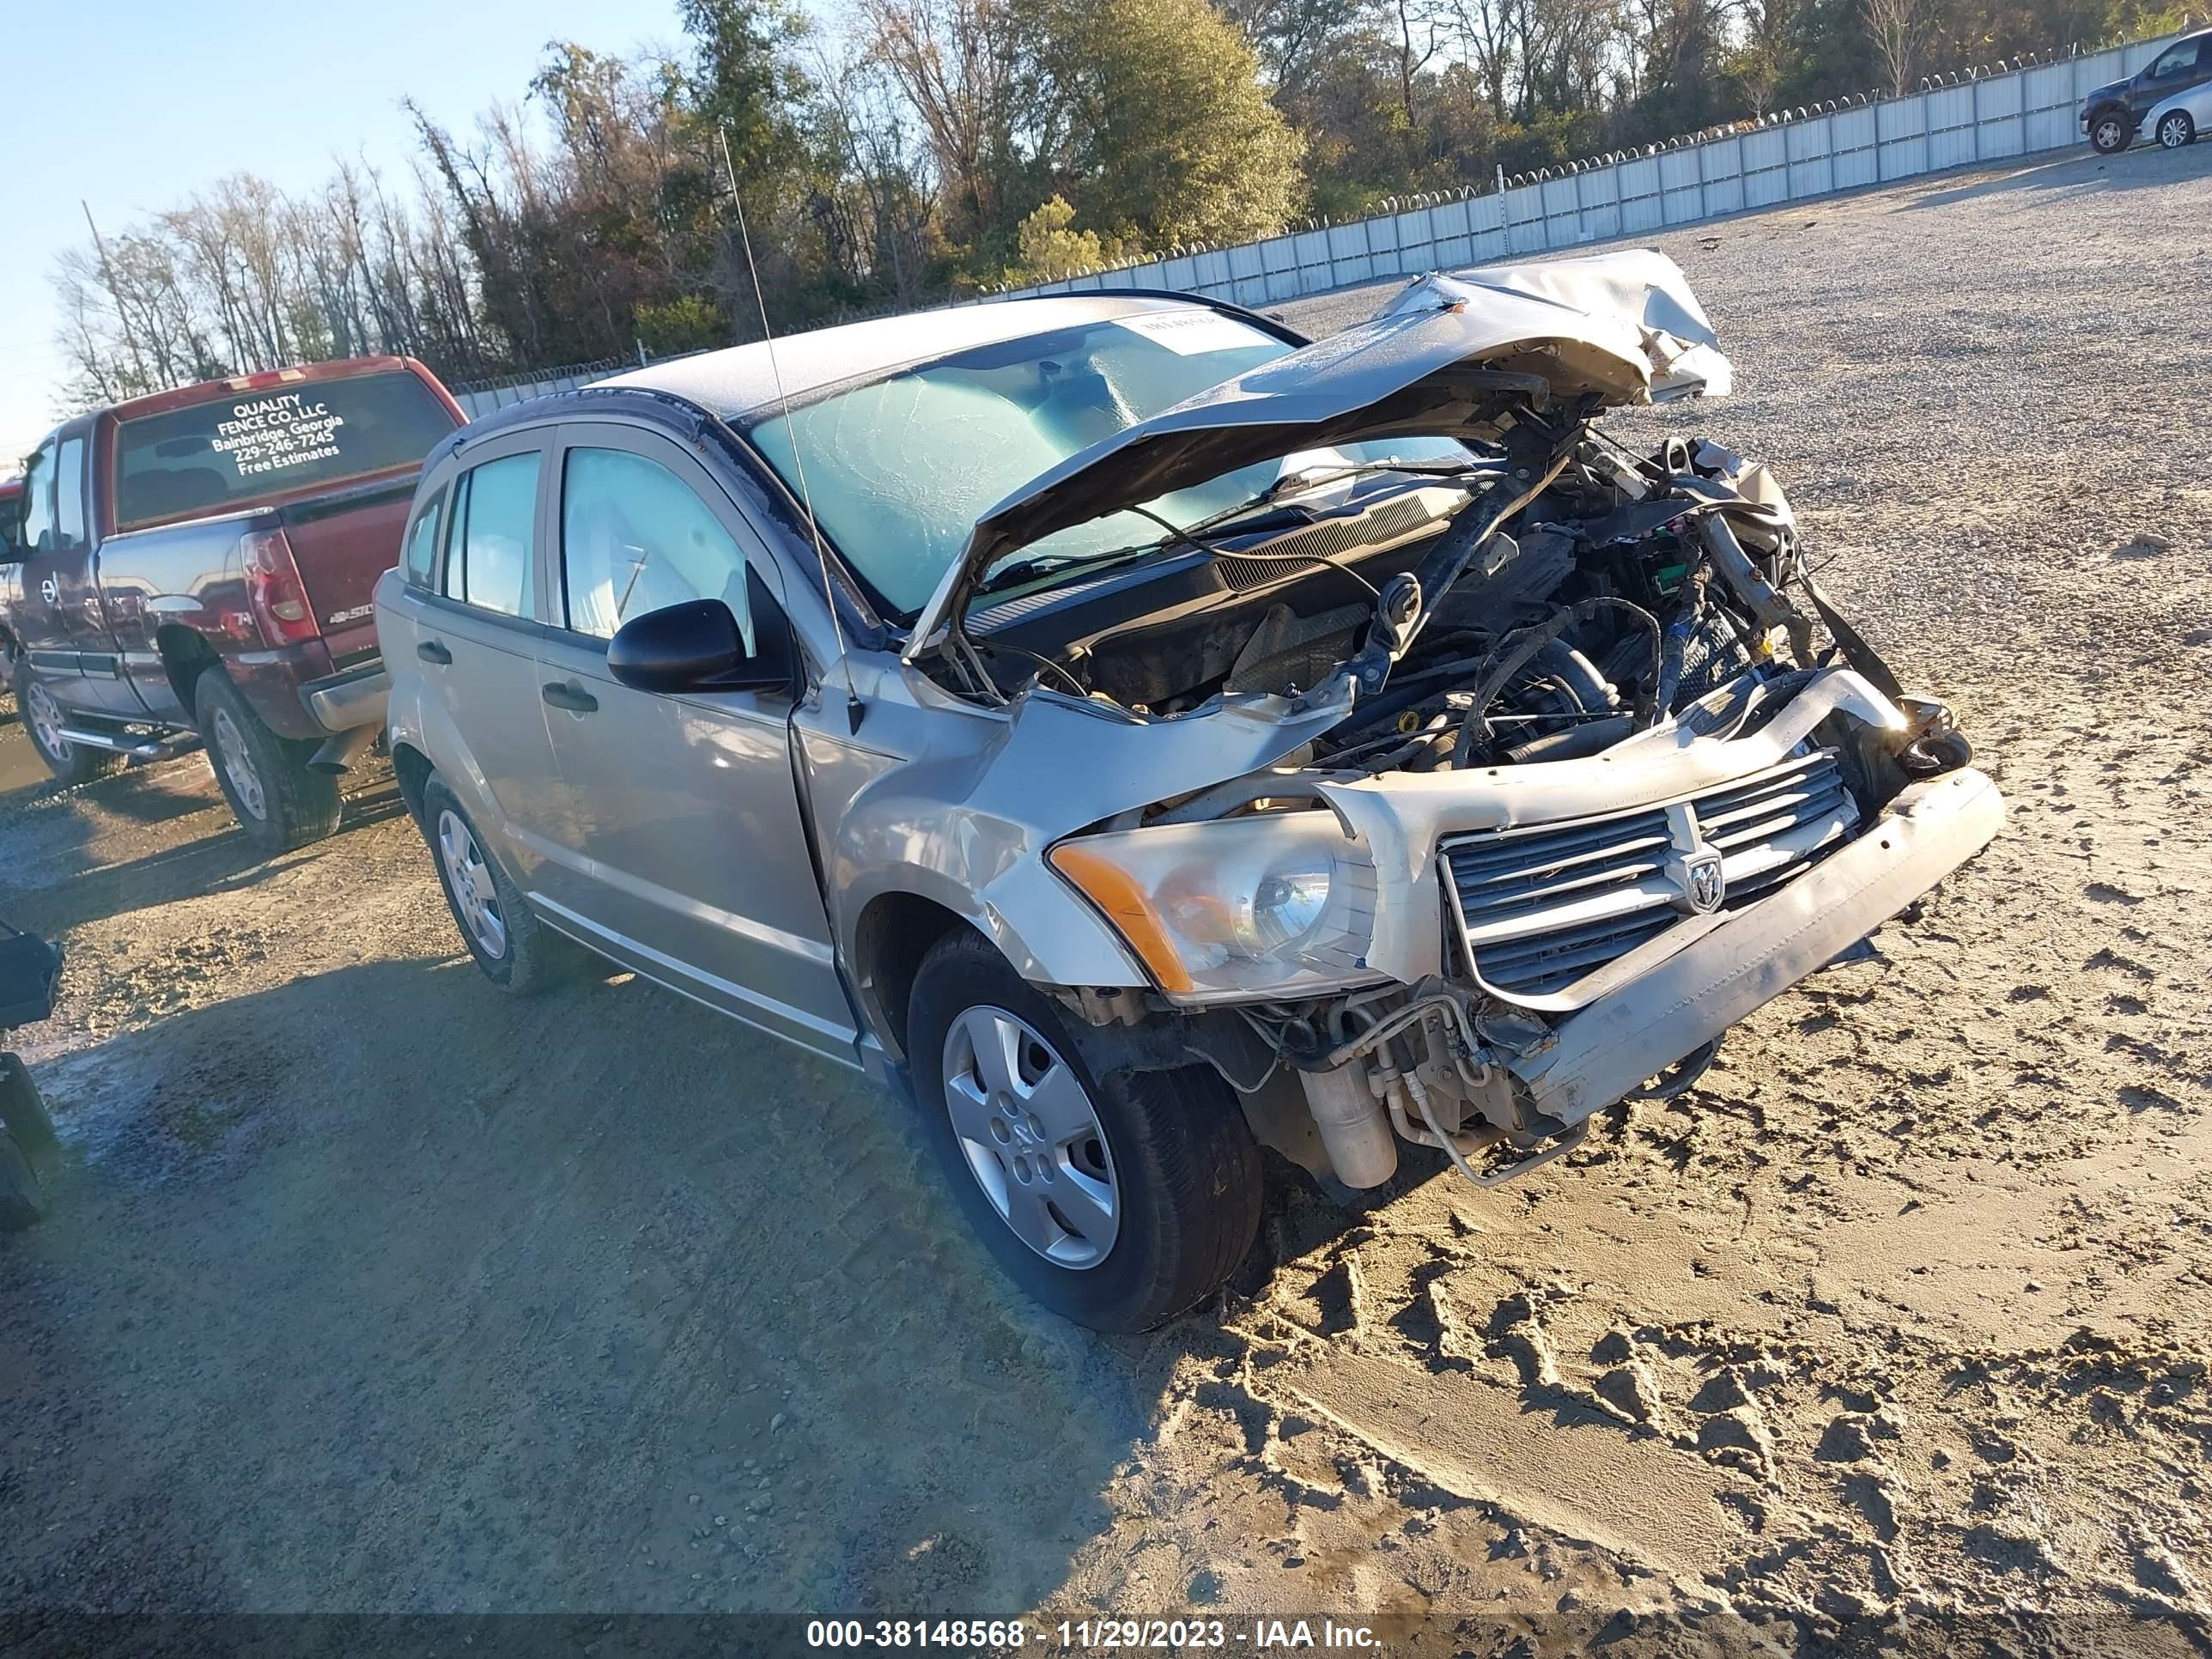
column 1705, row 883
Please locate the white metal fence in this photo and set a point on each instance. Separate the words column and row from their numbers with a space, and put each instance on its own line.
column 1992, row 116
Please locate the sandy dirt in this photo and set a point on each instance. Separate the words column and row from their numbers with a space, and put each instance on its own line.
column 369, row 1289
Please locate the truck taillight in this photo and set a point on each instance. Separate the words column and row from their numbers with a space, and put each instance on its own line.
column 274, row 590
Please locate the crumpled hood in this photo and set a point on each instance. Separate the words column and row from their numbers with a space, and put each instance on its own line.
column 1622, row 328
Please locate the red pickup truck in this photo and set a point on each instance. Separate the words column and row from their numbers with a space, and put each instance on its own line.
column 195, row 567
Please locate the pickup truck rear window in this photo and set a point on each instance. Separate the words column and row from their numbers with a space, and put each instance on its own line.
column 234, row 453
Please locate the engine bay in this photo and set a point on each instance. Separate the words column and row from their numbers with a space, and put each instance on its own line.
column 1626, row 591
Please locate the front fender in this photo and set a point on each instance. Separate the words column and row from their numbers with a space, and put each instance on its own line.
column 940, row 799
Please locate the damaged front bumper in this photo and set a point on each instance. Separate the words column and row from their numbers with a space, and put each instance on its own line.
column 1596, row 1056
column 1560, row 934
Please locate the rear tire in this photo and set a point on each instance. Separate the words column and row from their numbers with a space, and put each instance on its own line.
column 2109, row 132
column 41, row 715
column 277, row 801
column 2177, row 131
column 517, row 951
column 1170, row 1150
column 22, row 1199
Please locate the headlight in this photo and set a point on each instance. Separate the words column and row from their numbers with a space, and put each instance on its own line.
column 1279, row 904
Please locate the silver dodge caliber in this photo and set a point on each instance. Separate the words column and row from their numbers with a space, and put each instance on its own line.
column 1137, row 736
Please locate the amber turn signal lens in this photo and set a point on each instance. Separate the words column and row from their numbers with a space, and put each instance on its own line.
column 1123, row 903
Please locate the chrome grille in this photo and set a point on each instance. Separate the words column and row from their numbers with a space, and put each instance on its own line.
column 1540, row 907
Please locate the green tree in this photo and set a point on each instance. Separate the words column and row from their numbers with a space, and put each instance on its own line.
column 1051, row 249
column 747, row 82
column 687, row 323
column 1154, row 123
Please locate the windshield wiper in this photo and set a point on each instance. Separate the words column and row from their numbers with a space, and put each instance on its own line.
column 1048, row 564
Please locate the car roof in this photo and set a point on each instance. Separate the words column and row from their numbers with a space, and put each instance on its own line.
column 740, row 382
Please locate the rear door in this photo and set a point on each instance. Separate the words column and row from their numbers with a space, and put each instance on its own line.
column 683, row 850
column 474, row 635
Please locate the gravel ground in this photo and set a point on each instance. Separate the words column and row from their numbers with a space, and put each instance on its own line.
column 371, row 1289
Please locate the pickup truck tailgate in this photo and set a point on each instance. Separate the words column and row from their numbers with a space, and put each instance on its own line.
column 342, row 542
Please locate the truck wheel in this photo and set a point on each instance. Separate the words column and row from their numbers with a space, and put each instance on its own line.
column 518, row 952
column 42, row 717
column 22, row 1111
column 2111, row 133
column 22, row 1200
column 277, row 801
column 1117, row 1202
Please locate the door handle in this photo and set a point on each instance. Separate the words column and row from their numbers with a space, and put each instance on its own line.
column 432, row 651
column 569, row 695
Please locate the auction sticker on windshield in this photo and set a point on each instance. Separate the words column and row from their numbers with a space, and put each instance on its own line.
column 1190, row 332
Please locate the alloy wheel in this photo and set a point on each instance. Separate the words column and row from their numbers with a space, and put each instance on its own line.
column 1031, row 1138
column 2108, row 135
column 469, row 877
column 238, row 765
column 46, row 723
column 2174, row 131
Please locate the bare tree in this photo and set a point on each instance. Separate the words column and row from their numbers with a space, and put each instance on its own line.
column 864, row 117
column 1417, row 28
column 1485, row 30
column 1292, row 37
column 956, row 63
column 1901, row 31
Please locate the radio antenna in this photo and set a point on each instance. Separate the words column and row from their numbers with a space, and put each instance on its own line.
column 854, row 707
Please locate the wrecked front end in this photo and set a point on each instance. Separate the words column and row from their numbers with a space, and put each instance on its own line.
column 1580, row 766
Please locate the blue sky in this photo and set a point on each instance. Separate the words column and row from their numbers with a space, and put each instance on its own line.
column 134, row 105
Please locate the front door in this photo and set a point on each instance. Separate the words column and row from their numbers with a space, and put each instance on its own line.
column 2179, row 67
column 47, row 631
column 107, row 673
column 686, row 854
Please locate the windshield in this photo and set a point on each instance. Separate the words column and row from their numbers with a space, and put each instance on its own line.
column 901, row 469
column 230, row 454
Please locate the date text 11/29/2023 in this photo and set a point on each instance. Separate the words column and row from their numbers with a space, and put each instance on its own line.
column 1089, row 1635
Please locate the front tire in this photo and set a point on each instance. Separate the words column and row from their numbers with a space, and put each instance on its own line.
column 277, row 801
column 22, row 1199
column 2111, row 133
column 41, row 715
column 518, row 952
column 1117, row 1201
column 2177, row 131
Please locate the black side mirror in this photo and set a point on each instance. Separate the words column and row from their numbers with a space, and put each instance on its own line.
column 697, row 645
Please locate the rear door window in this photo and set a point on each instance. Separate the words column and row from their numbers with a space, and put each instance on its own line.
column 233, row 452
column 488, row 559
